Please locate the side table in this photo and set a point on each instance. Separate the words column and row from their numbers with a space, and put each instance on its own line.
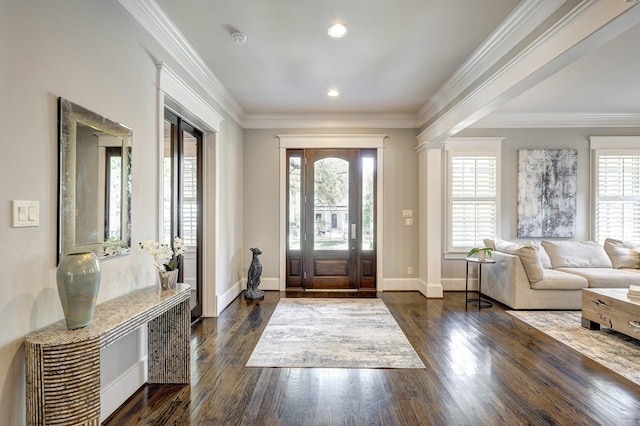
column 482, row 303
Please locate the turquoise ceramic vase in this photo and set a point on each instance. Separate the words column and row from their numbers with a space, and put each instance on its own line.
column 78, row 278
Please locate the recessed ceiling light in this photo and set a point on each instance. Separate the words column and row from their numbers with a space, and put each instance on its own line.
column 337, row 30
column 333, row 93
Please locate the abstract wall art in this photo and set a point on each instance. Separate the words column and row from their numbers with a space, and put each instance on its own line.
column 547, row 180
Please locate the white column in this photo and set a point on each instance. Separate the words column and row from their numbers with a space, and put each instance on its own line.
column 430, row 218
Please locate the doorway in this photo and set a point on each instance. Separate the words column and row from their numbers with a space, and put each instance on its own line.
column 331, row 219
column 182, row 200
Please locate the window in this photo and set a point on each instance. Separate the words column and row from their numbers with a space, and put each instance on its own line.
column 472, row 192
column 616, row 192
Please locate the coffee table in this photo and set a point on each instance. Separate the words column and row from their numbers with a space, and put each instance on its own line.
column 612, row 308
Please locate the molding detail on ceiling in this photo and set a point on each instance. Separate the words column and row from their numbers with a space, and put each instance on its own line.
column 155, row 20
column 519, row 24
column 541, row 120
column 342, row 140
column 582, row 29
column 175, row 88
column 333, row 121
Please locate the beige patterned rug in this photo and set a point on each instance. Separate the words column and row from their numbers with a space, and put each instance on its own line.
column 613, row 350
column 333, row 333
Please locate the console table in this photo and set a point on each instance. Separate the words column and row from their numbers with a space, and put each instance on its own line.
column 63, row 366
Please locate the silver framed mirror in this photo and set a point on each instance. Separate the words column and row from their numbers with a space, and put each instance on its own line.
column 94, row 190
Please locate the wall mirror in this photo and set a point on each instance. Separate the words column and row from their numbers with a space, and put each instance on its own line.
column 94, row 202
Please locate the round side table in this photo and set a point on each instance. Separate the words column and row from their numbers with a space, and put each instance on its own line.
column 482, row 303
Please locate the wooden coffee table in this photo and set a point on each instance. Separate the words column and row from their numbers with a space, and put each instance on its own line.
column 612, row 308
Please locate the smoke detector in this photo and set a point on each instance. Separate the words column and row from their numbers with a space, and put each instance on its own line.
column 239, row 38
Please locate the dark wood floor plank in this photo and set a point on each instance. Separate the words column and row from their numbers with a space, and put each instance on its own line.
column 482, row 367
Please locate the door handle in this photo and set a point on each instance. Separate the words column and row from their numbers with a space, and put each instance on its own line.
column 353, row 231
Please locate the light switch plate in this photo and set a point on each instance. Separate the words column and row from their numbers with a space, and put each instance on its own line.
column 25, row 213
column 407, row 213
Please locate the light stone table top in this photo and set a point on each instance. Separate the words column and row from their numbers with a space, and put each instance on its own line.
column 114, row 318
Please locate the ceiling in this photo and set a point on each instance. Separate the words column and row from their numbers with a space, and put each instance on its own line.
column 424, row 62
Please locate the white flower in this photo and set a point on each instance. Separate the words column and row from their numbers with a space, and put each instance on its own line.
column 165, row 258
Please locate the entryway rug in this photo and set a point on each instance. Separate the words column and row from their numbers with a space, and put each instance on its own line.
column 613, row 350
column 333, row 333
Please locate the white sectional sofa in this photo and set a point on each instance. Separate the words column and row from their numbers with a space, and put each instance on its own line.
column 545, row 274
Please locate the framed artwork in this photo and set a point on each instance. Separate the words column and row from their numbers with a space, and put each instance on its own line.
column 547, row 180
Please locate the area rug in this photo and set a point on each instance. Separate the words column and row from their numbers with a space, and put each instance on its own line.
column 611, row 349
column 333, row 333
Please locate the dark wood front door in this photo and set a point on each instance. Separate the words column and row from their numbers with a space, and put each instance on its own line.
column 331, row 219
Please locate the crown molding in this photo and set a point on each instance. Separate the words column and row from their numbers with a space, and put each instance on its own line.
column 527, row 16
column 576, row 33
column 333, row 121
column 155, row 20
column 549, row 120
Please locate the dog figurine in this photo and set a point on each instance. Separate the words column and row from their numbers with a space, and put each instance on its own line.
column 253, row 278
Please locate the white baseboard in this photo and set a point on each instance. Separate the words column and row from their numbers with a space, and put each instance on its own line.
column 457, row 284
column 223, row 300
column 269, row 284
column 430, row 291
column 118, row 391
column 399, row 284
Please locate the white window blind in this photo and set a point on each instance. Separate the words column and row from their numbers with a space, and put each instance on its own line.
column 190, row 201
column 472, row 199
column 617, row 198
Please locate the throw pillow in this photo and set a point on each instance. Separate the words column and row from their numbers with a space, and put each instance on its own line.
column 527, row 254
column 622, row 253
column 544, row 257
column 576, row 254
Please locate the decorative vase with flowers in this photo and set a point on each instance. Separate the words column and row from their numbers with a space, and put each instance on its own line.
column 166, row 258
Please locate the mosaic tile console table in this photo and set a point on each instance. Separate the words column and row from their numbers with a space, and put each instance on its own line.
column 63, row 366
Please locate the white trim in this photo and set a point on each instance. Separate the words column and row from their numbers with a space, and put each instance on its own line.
column 304, row 141
column 471, row 144
column 266, row 284
column 118, row 391
column 185, row 101
column 555, row 120
column 156, row 21
column 399, row 284
column 310, row 141
column 524, row 19
column 430, row 291
column 458, row 284
column 178, row 96
column 614, row 142
column 605, row 145
column 223, row 300
column 576, row 33
column 330, row 121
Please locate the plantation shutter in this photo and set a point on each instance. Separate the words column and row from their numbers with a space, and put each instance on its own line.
column 617, row 207
column 190, row 201
column 473, row 199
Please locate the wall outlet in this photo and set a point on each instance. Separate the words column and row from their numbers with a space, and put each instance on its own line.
column 410, row 270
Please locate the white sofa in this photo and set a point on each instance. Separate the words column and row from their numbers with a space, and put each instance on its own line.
column 551, row 274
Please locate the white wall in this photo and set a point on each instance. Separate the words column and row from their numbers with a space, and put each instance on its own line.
column 262, row 202
column 95, row 54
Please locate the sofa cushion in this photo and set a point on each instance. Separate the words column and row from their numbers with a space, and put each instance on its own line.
column 576, row 254
column 488, row 242
column 622, row 253
column 605, row 277
column 558, row 280
column 544, row 257
column 527, row 254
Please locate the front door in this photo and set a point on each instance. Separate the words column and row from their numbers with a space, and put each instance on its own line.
column 331, row 219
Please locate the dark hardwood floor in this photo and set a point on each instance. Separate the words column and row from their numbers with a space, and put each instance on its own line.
column 481, row 368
